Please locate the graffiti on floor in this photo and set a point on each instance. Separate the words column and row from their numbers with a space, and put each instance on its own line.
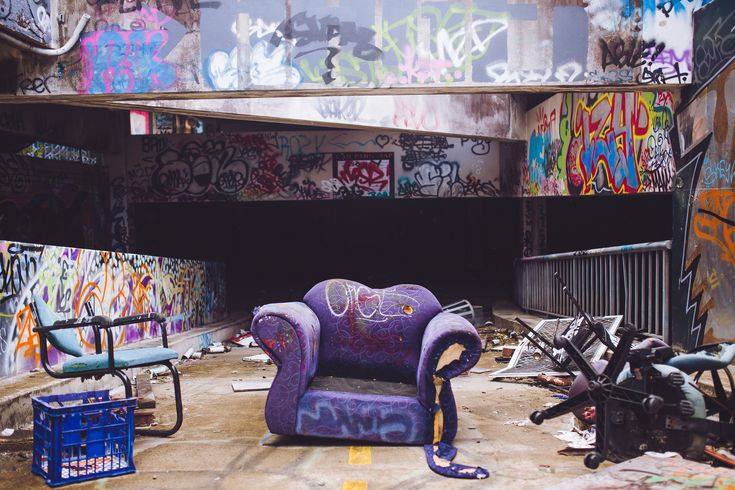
column 189, row 293
column 311, row 166
column 609, row 143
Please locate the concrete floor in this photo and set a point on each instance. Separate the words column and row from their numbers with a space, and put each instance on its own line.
column 222, row 443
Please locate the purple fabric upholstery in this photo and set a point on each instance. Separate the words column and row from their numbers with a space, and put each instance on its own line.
column 383, row 346
column 442, row 331
column 371, row 333
column 289, row 334
column 364, row 417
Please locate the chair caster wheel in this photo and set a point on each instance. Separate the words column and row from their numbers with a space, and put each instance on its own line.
column 592, row 460
column 538, row 417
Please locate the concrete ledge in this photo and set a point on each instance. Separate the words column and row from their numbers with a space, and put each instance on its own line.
column 16, row 391
column 504, row 316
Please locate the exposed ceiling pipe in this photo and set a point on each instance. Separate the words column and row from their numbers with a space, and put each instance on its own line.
column 50, row 52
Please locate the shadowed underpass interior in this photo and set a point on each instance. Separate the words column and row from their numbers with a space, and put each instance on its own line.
column 458, row 248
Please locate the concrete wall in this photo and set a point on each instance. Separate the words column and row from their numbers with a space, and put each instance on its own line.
column 188, row 292
column 607, row 143
column 57, row 202
column 143, row 46
column 703, row 253
column 314, row 165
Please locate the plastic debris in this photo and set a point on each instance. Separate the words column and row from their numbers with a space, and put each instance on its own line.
column 553, row 380
column 517, row 423
column 188, row 353
column 243, row 339
column 577, row 439
column 258, row 358
column 7, row 432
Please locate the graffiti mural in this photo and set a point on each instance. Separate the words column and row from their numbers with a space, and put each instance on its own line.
column 31, row 20
column 310, row 166
column 189, row 293
column 146, row 46
column 608, row 143
column 703, row 251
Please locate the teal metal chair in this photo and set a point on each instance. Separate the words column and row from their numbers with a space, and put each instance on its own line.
column 62, row 334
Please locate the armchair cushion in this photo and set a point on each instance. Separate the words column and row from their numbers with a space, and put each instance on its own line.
column 289, row 334
column 124, row 359
column 371, row 333
column 364, row 416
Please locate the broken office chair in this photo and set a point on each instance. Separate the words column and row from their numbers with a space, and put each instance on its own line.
column 63, row 336
column 367, row 364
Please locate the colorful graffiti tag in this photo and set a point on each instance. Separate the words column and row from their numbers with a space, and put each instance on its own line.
column 147, row 46
column 310, row 166
column 703, row 251
column 189, row 293
column 614, row 143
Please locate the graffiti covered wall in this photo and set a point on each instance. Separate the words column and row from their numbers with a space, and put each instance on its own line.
column 38, row 199
column 31, row 20
column 703, row 251
column 607, row 143
column 145, row 46
column 189, row 293
column 310, row 166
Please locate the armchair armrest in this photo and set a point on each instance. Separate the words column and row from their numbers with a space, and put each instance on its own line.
column 289, row 334
column 450, row 346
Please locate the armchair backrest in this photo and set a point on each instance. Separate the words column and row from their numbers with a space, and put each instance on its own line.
column 67, row 340
column 371, row 333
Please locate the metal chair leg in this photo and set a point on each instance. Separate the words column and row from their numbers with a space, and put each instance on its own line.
column 179, row 408
column 126, row 382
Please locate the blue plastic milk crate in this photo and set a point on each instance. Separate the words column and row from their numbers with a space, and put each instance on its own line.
column 82, row 436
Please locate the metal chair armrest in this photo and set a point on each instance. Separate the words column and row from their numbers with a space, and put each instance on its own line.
column 148, row 317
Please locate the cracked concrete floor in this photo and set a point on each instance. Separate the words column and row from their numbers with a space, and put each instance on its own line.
column 222, row 442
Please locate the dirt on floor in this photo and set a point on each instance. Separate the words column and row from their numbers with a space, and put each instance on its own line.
column 224, row 442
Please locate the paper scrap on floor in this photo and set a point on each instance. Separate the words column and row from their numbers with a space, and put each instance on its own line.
column 251, row 385
column 257, row 358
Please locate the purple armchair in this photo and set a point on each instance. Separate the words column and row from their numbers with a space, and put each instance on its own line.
column 365, row 364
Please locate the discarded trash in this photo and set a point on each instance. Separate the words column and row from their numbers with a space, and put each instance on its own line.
column 517, row 423
column 7, row 432
column 216, row 348
column 258, row 358
column 476, row 370
column 577, row 439
column 723, row 456
column 157, row 371
column 553, row 380
column 560, row 396
column 509, row 350
column 197, row 355
column 243, row 339
column 188, row 353
column 257, row 385
column 502, row 359
column 666, row 455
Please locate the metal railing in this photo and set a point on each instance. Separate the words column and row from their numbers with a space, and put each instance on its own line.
column 630, row 280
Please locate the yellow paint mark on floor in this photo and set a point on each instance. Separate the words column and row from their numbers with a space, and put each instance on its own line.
column 360, row 455
column 355, row 485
